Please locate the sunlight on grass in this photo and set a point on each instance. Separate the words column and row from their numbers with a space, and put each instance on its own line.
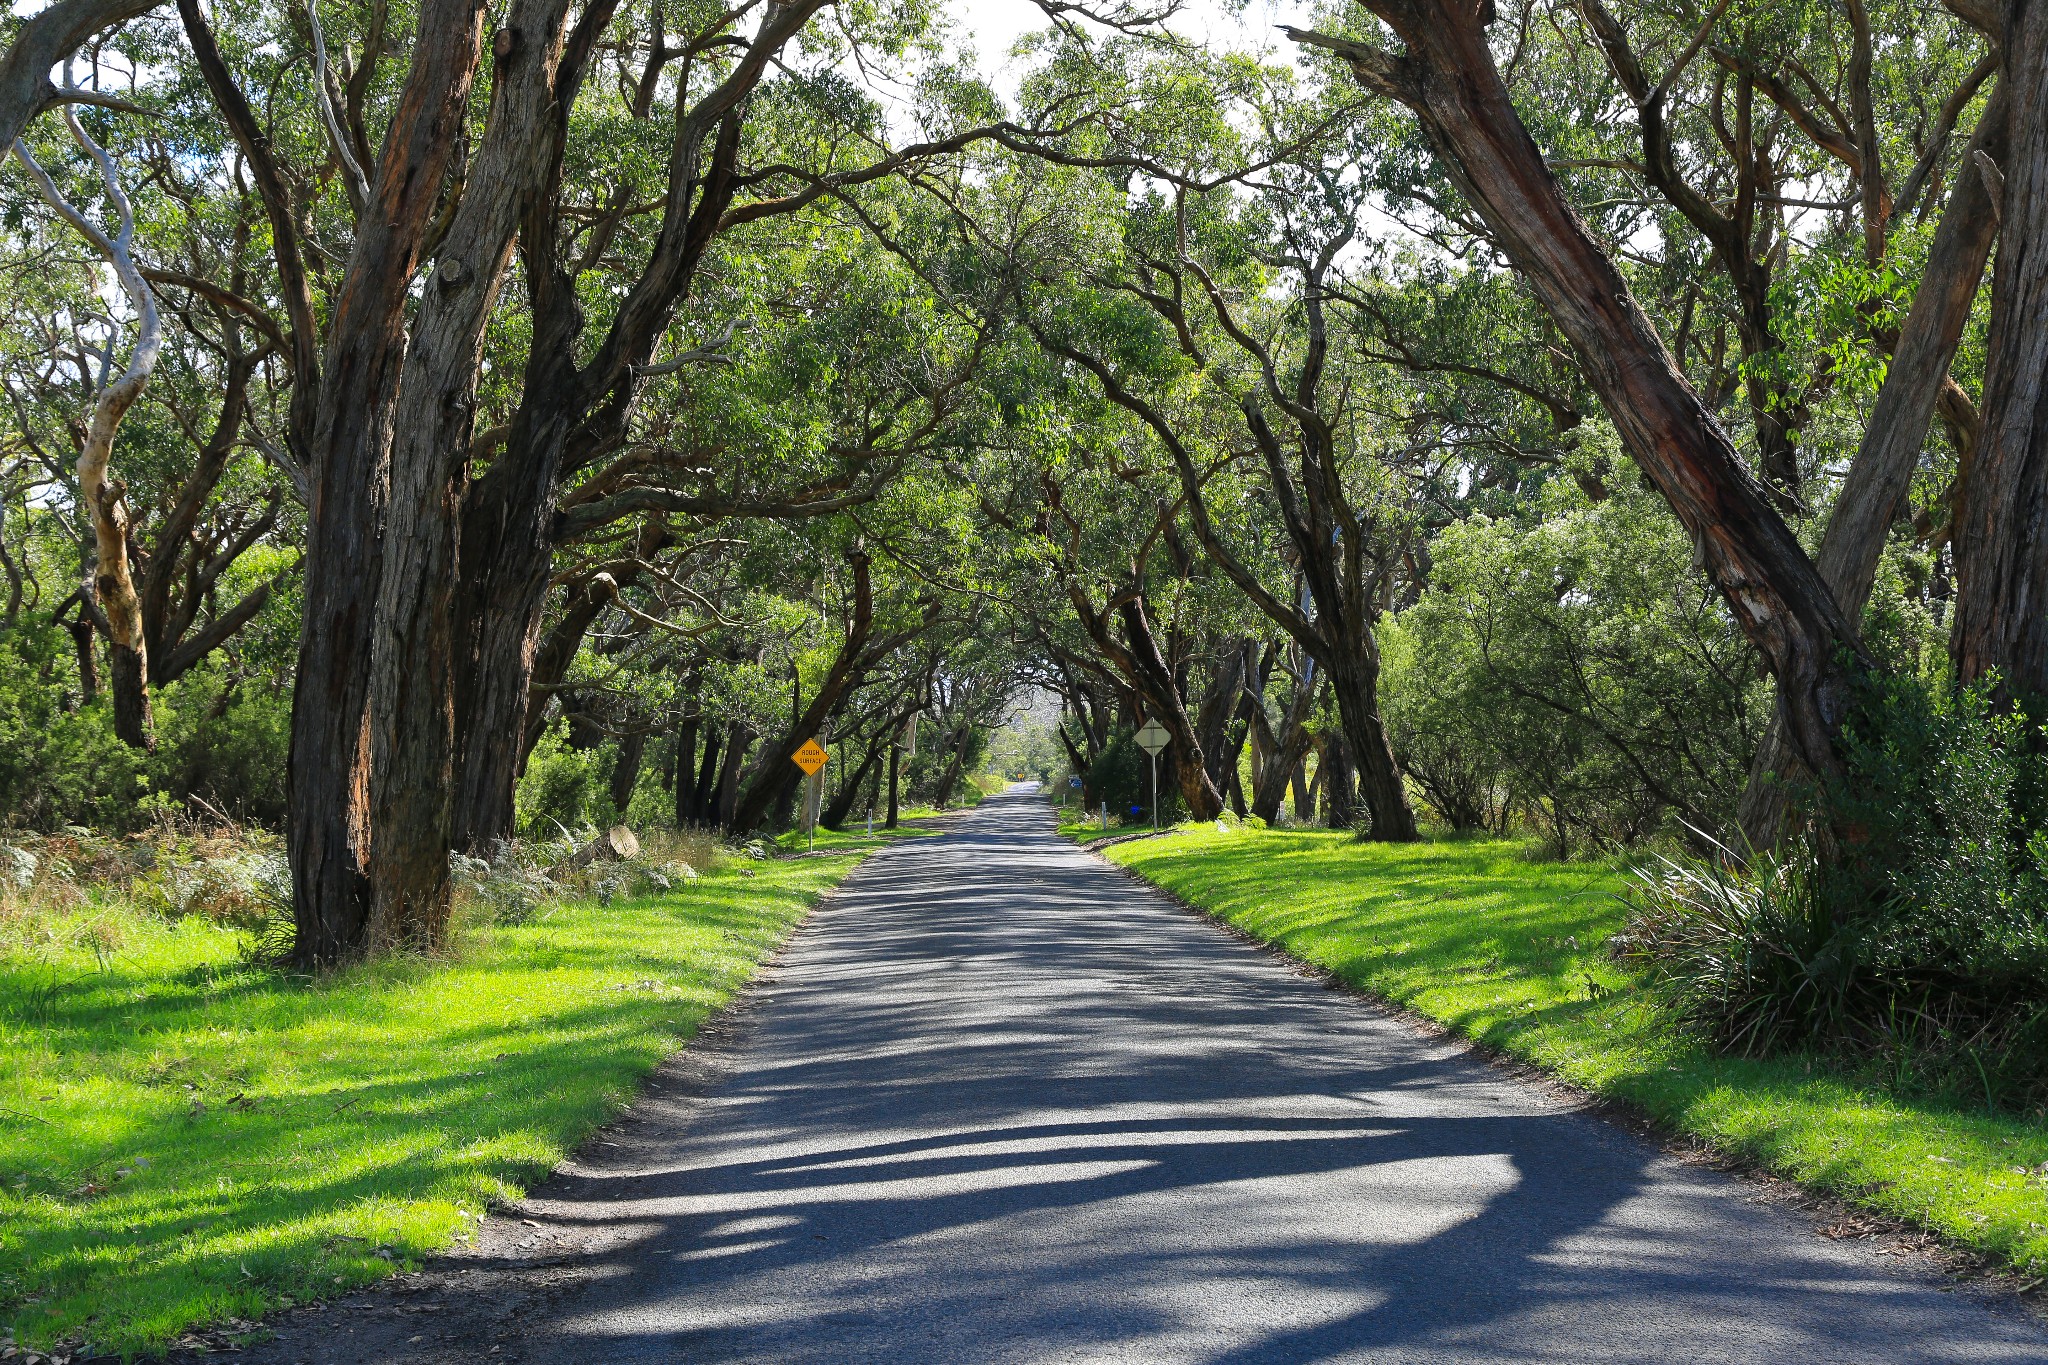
column 855, row 838
column 1512, row 952
column 184, row 1139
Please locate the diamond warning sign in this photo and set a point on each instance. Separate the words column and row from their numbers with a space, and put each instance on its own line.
column 811, row 757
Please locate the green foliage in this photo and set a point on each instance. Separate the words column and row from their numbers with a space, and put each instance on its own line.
column 1947, row 796
column 1122, row 776
column 1922, row 940
column 564, row 788
column 220, row 741
column 1573, row 668
column 1753, row 958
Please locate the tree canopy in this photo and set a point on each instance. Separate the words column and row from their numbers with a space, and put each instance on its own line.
column 429, row 421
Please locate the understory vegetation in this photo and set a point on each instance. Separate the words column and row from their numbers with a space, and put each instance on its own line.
column 1518, row 953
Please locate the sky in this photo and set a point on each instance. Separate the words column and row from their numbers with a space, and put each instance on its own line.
column 996, row 24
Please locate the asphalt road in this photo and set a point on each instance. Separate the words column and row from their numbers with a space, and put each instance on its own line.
column 1000, row 1104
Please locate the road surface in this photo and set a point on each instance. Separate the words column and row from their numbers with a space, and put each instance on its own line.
column 998, row 1103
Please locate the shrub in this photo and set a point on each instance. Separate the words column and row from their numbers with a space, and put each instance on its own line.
column 1573, row 669
column 1122, row 776
column 565, row 788
column 219, row 738
column 1754, row 957
column 1920, row 939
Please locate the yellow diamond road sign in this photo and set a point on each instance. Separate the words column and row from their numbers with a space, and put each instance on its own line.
column 811, row 757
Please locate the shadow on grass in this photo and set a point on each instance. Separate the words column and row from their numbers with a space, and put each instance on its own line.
column 215, row 1139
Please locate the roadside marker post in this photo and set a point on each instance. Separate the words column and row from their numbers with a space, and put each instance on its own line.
column 1152, row 737
column 811, row 756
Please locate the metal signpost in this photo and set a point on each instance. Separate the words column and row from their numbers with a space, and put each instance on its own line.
column 811, row 757
column 1152, row 737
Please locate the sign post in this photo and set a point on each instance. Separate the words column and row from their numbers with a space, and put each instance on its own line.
column 810, row 756
column 1152, row 737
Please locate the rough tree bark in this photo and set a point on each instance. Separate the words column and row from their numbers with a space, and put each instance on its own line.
column 1204, row 799
column 411, row 703
column 626, row 770
column 509, row 520
column 2001, row 531
column 895, row 765
column 1283, row 750
column 329, row 828
column 1213, row 716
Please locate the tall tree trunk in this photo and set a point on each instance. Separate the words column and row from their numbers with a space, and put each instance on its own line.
column 956, row 765
column 686, row 753
column 1213, row 716
column 103, row 496
column 1448, row 78
column 329, row 826
column 725, row 793
column 895, row 759
column 1203, row 798
column 706, row 800
column 498, row 604
column 771, row 770
column 2001, row 533
column 412, row 705
column 1339, row 798
column 1878, row 478
column 849, row 790
column 1281, row 762
column 83, row 639
column 626, row 770
column 1080, row 763
column 1356, row 689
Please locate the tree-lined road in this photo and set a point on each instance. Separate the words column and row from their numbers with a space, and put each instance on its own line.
column 1001, row 1104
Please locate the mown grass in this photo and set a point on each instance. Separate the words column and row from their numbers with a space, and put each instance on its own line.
column 855, row 837
column 186, row 1139
column 1512, row 952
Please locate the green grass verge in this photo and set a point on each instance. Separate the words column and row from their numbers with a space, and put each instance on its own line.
column 184, row 1140
column 1511, row 952
column 855, row 838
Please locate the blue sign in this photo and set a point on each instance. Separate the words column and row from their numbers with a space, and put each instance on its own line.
column 1073, row 782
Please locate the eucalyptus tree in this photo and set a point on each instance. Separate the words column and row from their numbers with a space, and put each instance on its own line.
column 480, row 247
column 133, row 386
column 1448, row 75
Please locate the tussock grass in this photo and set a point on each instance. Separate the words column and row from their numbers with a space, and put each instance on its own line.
column 187, row 1138
column 1512, row 952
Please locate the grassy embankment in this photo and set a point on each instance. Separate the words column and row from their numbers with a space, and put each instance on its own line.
column 185, row 1139
column 1511, row 952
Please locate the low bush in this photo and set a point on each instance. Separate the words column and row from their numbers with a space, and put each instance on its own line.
column 221, row 741
column 1917, row 939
